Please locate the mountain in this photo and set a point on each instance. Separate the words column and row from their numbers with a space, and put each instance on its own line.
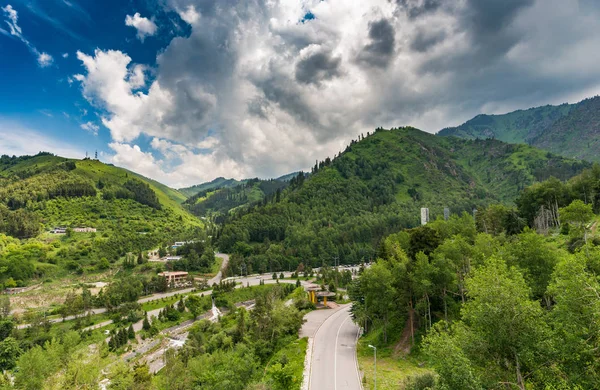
column 377, row 186
column 288, row 177
column 219, row 201
column 571, row 130
column 219, row 182
column 67, row 192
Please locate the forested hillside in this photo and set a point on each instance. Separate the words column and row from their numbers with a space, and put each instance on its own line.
column 569, row 130
column 490, row 302
column 218, row 202
column 219, row 182
column 38, row 193
column 376, row 187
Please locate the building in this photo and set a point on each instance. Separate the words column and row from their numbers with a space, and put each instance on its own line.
column 175, row 277
column 424, row 216
column 446, row 213
column 173, row 258
column 84, row 230
column 58, row 230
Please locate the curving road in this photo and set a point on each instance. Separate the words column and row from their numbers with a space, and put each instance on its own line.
column 333, row 363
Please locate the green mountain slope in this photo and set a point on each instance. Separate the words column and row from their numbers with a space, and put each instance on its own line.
column 376, row 187
column 570, row 130
column 219, row 182
column 218, row 202
column 73, row 188
column 130, row 214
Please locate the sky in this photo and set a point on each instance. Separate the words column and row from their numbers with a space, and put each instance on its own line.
column 184, row 91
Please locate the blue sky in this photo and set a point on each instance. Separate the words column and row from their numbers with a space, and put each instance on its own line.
column 42, row 98
column 184, row 91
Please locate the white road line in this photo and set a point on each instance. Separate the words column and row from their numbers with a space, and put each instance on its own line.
column 315, row 336
column 335, row 355
column 356, row 358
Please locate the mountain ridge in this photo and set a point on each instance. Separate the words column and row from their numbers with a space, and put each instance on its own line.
column 570, row 130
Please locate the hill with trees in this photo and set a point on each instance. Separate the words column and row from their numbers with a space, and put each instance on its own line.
column 508, row 299
column 129, row 213
column 571, row 130
column 341, row 211
column 219, row 182
column 219, row 201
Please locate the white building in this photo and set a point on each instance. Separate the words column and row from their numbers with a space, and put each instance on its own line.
column 424, row 216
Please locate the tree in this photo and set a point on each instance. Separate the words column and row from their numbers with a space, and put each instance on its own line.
column 181, row 305
column 514, row 332
column 146, row 323
column 194, row 304
column 130, row 332
column 9, row 353
column 578, row 214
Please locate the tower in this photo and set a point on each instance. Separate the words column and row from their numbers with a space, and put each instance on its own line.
column 424, row 216
column 446, row 213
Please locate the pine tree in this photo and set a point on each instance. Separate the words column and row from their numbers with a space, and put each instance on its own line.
column 146, row 323
column 131, row 332
column 181, row 305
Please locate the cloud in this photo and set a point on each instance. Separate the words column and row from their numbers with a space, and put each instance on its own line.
column 65, row 55
column 380, row 50
column 256, row 90
column 90, row 127
column 193, row 168
column 316, row 65
column 44, row 59
column 144, row 26
column 189, row 14
column 18, row 140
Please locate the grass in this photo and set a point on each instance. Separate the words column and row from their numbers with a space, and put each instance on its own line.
column 293, row 355
column 392, row 371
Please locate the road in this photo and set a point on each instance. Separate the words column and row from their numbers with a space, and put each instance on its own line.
column 333, row 363
column 219, row 274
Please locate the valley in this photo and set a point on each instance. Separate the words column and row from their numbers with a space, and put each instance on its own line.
column 141, row 286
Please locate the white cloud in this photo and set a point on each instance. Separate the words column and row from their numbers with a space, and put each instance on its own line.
column 65, row 55
column 144, row 26
column 110, row 84
column 256, row 89
column 189, row 14
column 18, row 140
column 193, row 168
column 90, row 127
column 44, row 59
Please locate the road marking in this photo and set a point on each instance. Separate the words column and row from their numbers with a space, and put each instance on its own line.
column 314, row 337
column 335, row 353
column 356, row 357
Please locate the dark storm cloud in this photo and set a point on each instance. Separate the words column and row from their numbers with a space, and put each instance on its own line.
column 380, row 50
column 491, row 17
column 317, row 67
column 283, row 92
column 416, row 8
column 487, row 24
column 425, row 40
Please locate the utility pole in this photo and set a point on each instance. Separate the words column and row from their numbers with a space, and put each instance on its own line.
column 375, row 351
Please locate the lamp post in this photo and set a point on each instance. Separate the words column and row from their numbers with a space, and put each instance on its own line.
column 375, row 351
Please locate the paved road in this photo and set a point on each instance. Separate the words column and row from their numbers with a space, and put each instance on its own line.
column 333, row 363
column 219, row 274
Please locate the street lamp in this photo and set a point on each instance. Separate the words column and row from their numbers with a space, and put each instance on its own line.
column 375, row 351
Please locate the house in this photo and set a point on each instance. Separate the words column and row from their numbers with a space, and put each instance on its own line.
column 175, row 277
column 179, row 244
column 173, row 258
column 58, row 230
column 85, row 230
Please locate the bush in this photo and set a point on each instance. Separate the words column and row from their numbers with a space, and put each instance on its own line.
column 425, row 381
